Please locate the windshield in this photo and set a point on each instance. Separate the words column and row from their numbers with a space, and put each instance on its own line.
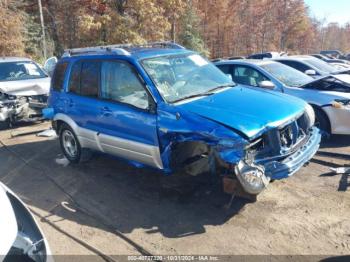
column 13, row 71
column 185, row 76
column 287, row 75
column 321, row 65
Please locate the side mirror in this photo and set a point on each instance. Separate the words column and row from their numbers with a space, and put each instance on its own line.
column 267, row 84
column 50, row 64
column 310, row 72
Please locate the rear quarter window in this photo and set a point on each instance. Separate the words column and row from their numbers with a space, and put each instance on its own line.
column 58, row 76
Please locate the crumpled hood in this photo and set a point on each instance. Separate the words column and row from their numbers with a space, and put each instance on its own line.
column 247, row 110
column 8, row 224
column 30, row 87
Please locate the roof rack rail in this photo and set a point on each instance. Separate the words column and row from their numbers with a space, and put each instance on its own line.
column 120, row 49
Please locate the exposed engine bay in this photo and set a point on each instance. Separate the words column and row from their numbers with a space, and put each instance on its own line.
column 337, row 83
column 21, row 108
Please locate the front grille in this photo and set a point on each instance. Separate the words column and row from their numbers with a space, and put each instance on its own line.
column 280, row 142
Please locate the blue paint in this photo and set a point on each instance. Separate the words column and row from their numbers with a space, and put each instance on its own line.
column 225, row 121
column 48, row 113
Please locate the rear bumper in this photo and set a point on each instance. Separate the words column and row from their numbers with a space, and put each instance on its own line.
column 291, row 164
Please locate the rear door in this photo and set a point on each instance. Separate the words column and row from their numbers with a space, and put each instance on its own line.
column 82, row 96
column 127, row 123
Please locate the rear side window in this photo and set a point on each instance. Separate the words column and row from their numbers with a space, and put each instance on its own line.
column 296, row 65
column 85, row 78
column 58, row 76
column 227, row 69
column 74, row 81
column 90, row 78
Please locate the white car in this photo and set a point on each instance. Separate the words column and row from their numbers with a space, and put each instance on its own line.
column 24, row 89
column 311, row 66
column 20, row 236
column 329, row 95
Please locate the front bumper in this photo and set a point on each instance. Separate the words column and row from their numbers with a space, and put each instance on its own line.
column 291, row 164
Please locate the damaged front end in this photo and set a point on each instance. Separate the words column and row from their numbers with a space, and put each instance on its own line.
column 15, row 108
column 277, row 154
column 246, row 165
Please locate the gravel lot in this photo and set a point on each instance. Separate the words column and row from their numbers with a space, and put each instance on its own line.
column 105, row 206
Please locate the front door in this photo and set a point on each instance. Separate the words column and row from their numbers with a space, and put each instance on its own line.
column 127, row 127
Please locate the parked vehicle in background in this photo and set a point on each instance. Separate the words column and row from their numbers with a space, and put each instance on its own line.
column 21, row 238
column 166, row 107
column 311, row 66
column 331, row 60
column 333, row 53
column 266, row 55
column 328, row 95
column 236, row 57
column 24, row 89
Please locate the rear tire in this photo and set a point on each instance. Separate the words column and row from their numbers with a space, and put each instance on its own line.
column 70, row 144
column 322, row 121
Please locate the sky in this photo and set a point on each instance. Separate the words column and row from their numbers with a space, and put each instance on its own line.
column 332, row 10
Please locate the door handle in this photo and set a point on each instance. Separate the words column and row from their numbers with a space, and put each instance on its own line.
column 106, row 111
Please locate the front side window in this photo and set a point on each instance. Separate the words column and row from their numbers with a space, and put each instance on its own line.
column 286, row 74
column 179, row 77
column 15, row 71
column 247, row 76
column 120, row 82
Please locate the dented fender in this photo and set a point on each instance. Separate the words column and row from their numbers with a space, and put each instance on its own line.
column 177, row 126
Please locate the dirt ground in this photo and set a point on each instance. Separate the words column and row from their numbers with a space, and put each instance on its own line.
column 106, row 206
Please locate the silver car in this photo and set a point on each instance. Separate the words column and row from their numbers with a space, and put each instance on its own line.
column 24, row 89
column 329, row 95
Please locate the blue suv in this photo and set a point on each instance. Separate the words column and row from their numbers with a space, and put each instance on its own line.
column 167, row 107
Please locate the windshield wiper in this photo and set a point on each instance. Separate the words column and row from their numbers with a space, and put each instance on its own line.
column 193, row 96
column 208, row 93
column 221, row 87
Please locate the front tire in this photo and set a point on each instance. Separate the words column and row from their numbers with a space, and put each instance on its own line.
column 70, row 144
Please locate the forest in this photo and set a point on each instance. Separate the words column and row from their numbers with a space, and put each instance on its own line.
column 216, row 28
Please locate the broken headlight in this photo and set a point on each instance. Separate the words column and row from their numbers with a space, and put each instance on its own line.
column 252, row 177
column 310, row 114
column 29, row 244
